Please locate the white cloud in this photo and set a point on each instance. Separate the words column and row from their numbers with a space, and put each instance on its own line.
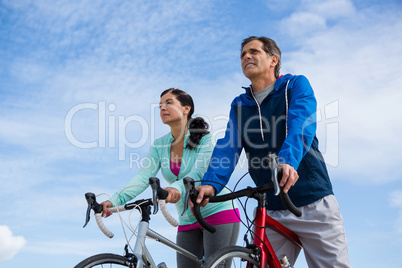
column 355, row 66
column 302, row 23
column 123, row 54
column 60, row 54
column 314, row 17
column 330, row 9
column 9, row 244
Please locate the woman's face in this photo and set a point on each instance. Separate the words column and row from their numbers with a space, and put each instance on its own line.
column 171, row 110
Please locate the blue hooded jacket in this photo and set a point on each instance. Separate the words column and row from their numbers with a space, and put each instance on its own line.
column 284, row 124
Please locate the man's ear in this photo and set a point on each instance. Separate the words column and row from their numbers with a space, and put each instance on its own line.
column 274, row 59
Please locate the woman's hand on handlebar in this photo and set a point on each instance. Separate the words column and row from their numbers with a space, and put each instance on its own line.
column 106, row 212
column 173, row 195
column 289, row 177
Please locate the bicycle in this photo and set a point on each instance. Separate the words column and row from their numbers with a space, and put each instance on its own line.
column 259, row 253
column 140, row 255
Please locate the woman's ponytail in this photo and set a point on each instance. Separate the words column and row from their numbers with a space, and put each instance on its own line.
column 198, row 128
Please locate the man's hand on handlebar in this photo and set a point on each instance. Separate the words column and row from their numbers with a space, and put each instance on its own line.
column 289, row 177
column 203, row 190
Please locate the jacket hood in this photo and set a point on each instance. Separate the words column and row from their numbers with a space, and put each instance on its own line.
column 282, row 80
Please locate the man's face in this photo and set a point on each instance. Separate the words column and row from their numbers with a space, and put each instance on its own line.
column 255, row 61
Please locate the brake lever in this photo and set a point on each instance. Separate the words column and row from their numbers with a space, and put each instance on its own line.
column 274, row 166
column 88, row 217
column 155, row 185
column 92, row 204
column 190, row 188
column 193, row 193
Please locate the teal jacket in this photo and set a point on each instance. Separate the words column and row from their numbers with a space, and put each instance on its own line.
column 194, row 164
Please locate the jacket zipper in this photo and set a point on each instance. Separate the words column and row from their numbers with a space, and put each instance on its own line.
column 259, row 110
column 259, row 114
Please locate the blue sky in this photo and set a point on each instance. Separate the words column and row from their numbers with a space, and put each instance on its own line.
column 80, row 82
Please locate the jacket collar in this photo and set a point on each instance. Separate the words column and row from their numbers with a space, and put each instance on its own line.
column 278, row 83
column 281, row 81
column 171, row 138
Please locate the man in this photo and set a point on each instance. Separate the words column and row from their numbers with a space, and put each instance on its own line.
column 277, row 115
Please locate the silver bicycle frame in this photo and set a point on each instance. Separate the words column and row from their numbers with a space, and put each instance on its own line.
column 142, row 253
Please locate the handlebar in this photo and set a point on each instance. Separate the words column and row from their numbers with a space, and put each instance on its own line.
column 98, row 208
column 158, row 200
column 161, row 194
column 253, row 192
column 192, row 193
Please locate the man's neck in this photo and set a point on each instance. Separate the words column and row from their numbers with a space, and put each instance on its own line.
column 260, row 84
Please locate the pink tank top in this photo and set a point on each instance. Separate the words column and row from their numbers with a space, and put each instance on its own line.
column 175, row 168
column 222, row 217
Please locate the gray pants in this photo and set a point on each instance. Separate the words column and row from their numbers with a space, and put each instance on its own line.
column 320, row 229
column 201, row 242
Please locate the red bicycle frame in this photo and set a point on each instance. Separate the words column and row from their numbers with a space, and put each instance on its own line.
column 268, row 256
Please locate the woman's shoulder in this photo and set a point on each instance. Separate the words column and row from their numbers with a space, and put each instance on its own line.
column 206, row 137
column 207, row 140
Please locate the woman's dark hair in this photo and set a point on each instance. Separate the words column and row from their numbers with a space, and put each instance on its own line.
column 197, row 126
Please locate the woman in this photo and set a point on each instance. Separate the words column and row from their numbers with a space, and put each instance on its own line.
column 184, row 152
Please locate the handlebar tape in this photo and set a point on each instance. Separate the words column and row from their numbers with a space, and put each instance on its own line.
column 166, row 213
column 102, row 227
